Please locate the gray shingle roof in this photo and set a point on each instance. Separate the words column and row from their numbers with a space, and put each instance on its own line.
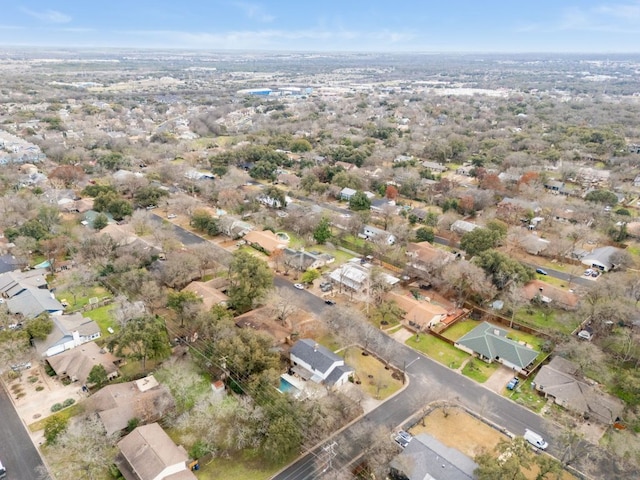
column 31, row 302
column 319, row 357
column 558, row 380
column 336, row 373
column 491, row 342
column 427, row 458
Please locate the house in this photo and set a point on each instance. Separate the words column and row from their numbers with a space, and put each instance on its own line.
column 14, row 282
column 419, row 314
column 513, row 210
column 434, row 167
column 602, row 258
column 403, row 158
column 210, row 295
column 461, row 227
column 234, row 227
column 31, row 302
column 425, row 256
column 8, row 263
column 148, row 453
column 314, row 362
column 636, row 181
column 556, row 186
column 465, row 170
column 355, row 276
column 119, row 403
column 69, row 331
column 289, row 179
column 265, row 240
column 303, row 260
column 533, row 244
column 372, row 233
column 76, row 364
column 379, row 205
column 560, row 380
column 559, row 296
column 509, row 177
column 490, row 343
column 346, row 193
column 426, row 458
column 346, row 166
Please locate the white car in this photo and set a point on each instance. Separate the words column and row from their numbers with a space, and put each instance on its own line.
column 172, row 215
column 299, row 286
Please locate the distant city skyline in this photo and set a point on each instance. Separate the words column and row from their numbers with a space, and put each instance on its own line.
column 554, row 26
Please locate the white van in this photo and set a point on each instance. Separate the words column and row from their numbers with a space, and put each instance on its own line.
column 535, row 439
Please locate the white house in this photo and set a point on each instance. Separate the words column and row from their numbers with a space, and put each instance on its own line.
column 346, row 193
column 314, row 362
column 69, row 331
column 355, row 276
column 374, row 233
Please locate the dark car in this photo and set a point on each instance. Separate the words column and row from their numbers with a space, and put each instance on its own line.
column 541, row 271
column 513, row 383
column 329, row 302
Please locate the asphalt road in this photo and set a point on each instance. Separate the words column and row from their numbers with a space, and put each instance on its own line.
column 17, row 452
column 428, row 381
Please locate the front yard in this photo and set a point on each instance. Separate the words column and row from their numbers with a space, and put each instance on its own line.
column 438, row 350
column 478, row 370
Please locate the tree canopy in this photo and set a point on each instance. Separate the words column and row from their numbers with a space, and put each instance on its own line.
column 250, row 279
column 479, row 240
column 359, row 201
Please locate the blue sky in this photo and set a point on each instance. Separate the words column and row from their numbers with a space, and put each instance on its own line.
column 328, row 25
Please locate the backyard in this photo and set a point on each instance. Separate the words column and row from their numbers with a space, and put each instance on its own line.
column 102, row 316
column 438, row 350
column 546, row 319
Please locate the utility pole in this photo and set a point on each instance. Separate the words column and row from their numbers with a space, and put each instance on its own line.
column 329, row 449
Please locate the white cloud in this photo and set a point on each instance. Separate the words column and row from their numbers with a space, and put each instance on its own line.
column 48, row 16
column 255, row 11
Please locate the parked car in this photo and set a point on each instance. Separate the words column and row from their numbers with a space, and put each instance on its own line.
column 329, row 302
column 299, row 286
column 535, row 439
column 172, row 215
column 21, row 366
column 541, row 271
column 403, row 438
column 513, row 383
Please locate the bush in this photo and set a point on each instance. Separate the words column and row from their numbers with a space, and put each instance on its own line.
column 56, row 407
column 39, row 388
column 199, row 450
column 53, row 427
column 68, row 402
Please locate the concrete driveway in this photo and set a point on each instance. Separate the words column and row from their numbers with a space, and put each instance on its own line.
column 498, row 381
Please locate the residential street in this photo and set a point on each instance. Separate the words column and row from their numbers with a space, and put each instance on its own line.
column 17, row 452
column 428, row 381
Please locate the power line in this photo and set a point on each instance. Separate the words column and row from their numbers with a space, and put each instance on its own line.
column 262, row 399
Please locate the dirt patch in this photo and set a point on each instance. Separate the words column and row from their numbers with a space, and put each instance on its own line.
column 457, row 429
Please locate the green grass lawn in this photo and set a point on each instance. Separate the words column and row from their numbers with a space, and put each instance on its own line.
column 478, row 370
column 82, row 295
column 438, row 350
column 66, row 414
column 547, row 320
column 376, row 380
column 526, row 396
column 102, row 316
column 329, row 341
column 238, row 469
column 341, row 257
column 459, row 329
